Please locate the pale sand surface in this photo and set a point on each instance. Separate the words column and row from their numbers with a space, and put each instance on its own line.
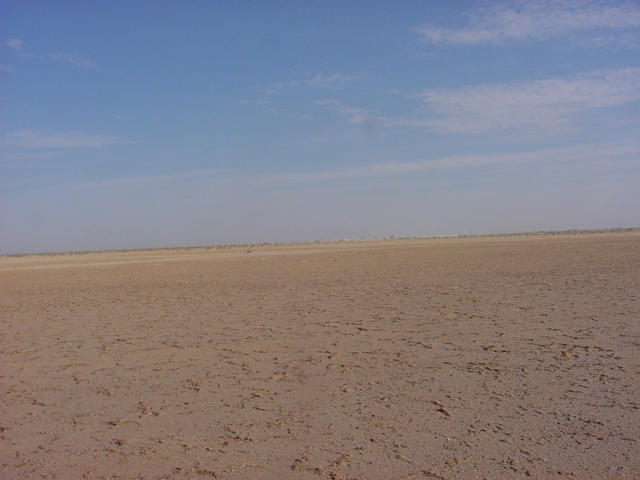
column 495, row 357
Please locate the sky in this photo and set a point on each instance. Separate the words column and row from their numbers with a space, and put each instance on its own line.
column 153, row 124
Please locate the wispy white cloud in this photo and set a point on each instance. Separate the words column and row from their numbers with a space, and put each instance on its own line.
column 576, row 155
column 15, row 43
column 30, row 158
column 46, row 139
column 274, row 87
column 319, row 80
column 541, row 105
column 279, row 85
column 18, row 46
column 326, row 81
column 351, row 114
column 622, row 40
column 534, row 20
column 369, row 121
column 18, row 158
column 80, row 62
column 583, row 153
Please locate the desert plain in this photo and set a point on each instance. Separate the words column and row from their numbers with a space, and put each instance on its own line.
column 481, row 357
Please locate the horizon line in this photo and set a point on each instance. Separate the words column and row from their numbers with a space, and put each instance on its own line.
column 573, row 231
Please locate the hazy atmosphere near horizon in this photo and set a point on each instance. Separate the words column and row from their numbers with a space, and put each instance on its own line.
column 150, row 124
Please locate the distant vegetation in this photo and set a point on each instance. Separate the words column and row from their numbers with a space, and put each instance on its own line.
column 250, row 246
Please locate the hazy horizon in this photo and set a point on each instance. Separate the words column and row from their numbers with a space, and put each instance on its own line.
column 156, row 125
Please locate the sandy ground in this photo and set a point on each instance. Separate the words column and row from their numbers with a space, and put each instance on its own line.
column 496, row 357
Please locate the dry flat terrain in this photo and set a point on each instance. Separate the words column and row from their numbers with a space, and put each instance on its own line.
column 488, row 357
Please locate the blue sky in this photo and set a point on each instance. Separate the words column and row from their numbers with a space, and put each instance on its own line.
column 148, row 124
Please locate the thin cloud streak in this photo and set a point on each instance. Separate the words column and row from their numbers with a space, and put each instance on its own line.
column 8, row 158
column 274, row 87
column 581, row 154
column 568, row 154
column 542, row 105
column 319, row 80
column 499, row 24
column 326, row 81
column 627, row 40
column 349, row 113
column 80, row 62
column 18, row 46
column 46, row 139
column 15, row 43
